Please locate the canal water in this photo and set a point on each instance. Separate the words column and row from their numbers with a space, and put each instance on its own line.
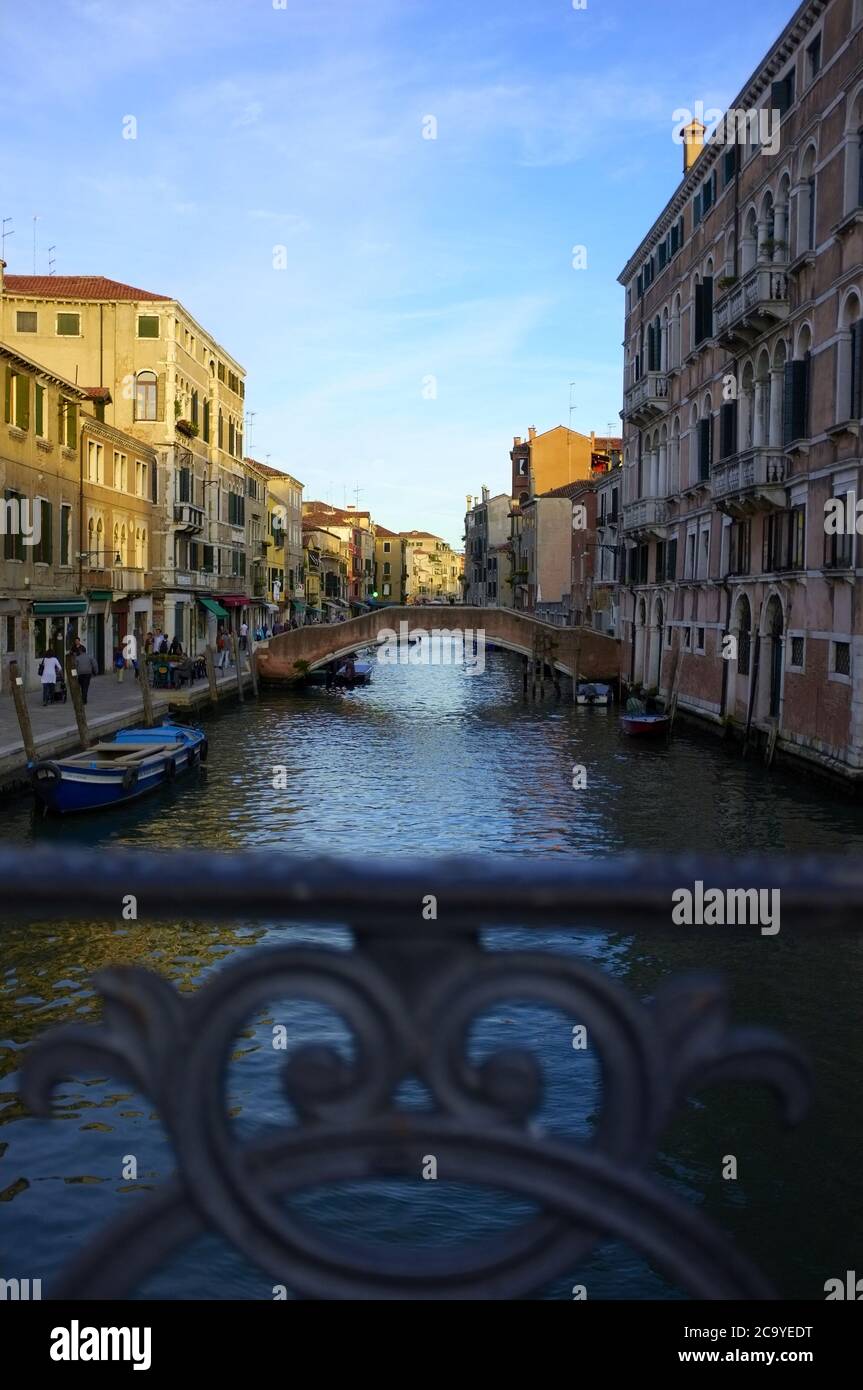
column 431, row 761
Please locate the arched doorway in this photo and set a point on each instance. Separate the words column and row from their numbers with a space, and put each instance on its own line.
column 743, row 633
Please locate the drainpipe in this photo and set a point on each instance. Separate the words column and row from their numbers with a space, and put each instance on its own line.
column 81, row 510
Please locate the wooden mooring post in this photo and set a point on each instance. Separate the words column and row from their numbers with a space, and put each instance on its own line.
column 19, row 699
column 146, row 695
column 77, row 700
column 253, row 668
column 235, row 648
column 210, row 660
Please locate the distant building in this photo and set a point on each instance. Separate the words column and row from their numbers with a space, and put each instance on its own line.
column 390, row 567
column 487, row 568
column 554, row 458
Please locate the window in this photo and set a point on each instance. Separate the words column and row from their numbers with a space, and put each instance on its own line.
column 65, row 532
column 13, row 538
column 67, row 423
column 18, row 407
column 386, row 547
column 784, row 542
column 730, row 165
column 796, row 401
column 26, row 321
column 704, row 449
column 659, row 570
column 740, row 548
column 782, row 93
column 40, row 410
column 146, row 396
column 205, row 430
column 148, row 325
column 699, row 639
column 386, row 567
column 813, row 59
column 154, row 484
column 671, row 559
column 95, row 462
column 194, row 415
column 42, row 553
column 727, row 429
column 703, row 310
column 841, row 658
column 798, row 646
column 839, row 550
column 10, row 635
column 68, row 325
column 121, row 466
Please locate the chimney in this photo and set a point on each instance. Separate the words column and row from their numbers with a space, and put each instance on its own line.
column 693, row 143
column 531, row 430
column 469, row 501
column 516, row 440
column 592, row 440
column 484, row 493
column 2, row 268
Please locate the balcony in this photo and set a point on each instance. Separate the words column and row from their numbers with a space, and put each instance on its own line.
column 749, row 482
column 647, row 517
column 647, row 399
column 188, row 518
column 752, row 306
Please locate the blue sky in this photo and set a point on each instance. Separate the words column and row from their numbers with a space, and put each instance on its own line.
column 406, row 258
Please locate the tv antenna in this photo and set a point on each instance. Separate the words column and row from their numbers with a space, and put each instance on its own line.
column 52, row 260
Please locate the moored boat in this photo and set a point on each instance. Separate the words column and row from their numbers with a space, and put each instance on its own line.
column 645, row 725
column 360, row 675
column 593, row 693
column 135, row 762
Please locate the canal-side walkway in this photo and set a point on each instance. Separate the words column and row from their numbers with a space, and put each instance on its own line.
column 111, row 705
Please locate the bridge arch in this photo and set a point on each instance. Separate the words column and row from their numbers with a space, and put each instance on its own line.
column 595, row 654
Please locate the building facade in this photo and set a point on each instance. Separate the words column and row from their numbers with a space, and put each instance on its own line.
column 742, row 408
column 390, row 568
column 174, row 388
column 77, row 521
column 487, row 568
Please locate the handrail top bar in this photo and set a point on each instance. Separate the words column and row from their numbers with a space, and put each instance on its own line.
column 626, row 890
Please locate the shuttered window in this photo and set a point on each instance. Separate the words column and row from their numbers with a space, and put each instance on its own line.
column 43, row 551
column 148, row 325
column 856, row 370
column 796, row 402
column 704, row 309
column 205, row 430
column 782, row 93
column 68, row 325
column 671, row 559
column 65, row 532
column 39, row 410
column 728, row 429
column 704, row 449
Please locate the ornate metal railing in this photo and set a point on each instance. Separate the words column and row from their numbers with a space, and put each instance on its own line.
column 421, row 969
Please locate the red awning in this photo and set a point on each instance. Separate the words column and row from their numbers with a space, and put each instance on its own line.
column 232, row 601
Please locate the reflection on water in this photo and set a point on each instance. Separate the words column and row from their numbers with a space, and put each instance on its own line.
column 431, row 761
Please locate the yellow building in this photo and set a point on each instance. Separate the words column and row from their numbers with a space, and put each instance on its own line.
column 390, row 567
column 433, row 568
column 327, row 558
column 173, row 387
column 285, row 500
column 555, row 457
column 76, row 523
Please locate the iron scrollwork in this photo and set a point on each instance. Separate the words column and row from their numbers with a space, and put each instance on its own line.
column 409, row 998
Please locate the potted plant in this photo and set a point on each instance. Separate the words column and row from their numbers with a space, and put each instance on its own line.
column 725, row 282
column 187, row 428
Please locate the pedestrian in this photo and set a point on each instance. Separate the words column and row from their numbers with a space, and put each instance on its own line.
column 244, row 635
column 148, row 643
column 119, row 664
column 222, row 649
column 49, row 672
column 176, row 647
column 85, row 669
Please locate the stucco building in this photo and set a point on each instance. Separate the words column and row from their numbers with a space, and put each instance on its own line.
column 743, row 402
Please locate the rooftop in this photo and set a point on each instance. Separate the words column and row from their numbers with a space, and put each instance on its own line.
column 75, row 287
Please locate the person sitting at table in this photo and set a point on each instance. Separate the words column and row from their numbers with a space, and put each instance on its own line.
column 176, row 647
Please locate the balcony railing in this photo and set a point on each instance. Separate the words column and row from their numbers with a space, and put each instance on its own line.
column 647, row 398
column 751, row 306
column 646, row 514
column 749, row 482
column 189, row 518
column 409, row 992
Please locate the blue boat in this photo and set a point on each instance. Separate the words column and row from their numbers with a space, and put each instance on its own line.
column 135, row 762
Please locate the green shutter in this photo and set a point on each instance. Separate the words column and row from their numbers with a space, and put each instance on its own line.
column 40, row 408
column 22, row 402
column 7, row 413
column 71, row 425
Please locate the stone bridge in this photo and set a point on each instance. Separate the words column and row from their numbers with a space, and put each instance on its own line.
column 593, row 654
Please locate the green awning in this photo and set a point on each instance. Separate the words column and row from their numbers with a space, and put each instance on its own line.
column 59, row 606
column 214, row 607
column 100, row 595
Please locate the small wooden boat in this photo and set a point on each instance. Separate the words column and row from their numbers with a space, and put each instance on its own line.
column 645, row 725
column 137, row 761
column 362, row 675
column 593, row 693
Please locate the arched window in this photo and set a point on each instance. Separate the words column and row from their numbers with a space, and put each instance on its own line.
column 146, row 396
column 91, row 543
column 100, row 545
column 849, row 361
